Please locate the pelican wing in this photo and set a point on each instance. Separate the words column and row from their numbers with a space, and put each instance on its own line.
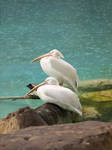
column 61, row 96
column 64, row 68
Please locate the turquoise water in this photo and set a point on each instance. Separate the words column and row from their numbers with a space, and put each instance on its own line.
column 81, row 30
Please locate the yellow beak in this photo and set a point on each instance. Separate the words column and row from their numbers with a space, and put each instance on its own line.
column 36, row 87
column 38, row 58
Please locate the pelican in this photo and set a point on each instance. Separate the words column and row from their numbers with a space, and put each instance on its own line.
column 54, row 66
column 51, row 92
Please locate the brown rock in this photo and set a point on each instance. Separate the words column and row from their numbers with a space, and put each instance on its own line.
column 53, row 114
column 89, row 135
column 47, row 114
column 22, row 118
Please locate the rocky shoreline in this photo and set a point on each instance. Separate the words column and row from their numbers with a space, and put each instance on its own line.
column 96, row 100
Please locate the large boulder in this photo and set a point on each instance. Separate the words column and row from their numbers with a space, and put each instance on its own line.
column 89, row 135
column 53, row 114
column 22, row 118
column 47, row 114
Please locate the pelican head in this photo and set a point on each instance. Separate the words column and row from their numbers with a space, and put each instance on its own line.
column 54, row 53
column 51, row 81
column 47, row 81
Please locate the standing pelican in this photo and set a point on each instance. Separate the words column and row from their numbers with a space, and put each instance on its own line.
column 54, row 66
column 51, row 92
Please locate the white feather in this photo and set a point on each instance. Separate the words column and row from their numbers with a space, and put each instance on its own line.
column 60, row 96
column 60, row 69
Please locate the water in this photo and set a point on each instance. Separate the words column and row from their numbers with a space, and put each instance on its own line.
column 81, row 30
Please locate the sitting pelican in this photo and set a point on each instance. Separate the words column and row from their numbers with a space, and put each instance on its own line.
column 54, row 66
column 51, row 92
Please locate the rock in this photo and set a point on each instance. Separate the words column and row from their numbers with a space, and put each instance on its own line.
column 97, row 105
column 95, row 85
column 47, row 114
column 22, row 118
column 53, row 114
column 89, row 135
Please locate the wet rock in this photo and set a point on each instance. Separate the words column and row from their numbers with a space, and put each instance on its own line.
column 89, row 135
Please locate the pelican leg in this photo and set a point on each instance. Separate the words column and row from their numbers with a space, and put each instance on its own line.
column 61, row 83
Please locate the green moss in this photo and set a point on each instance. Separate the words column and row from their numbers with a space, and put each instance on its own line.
column 97, row 105
column 101, row 96
column 90, row 112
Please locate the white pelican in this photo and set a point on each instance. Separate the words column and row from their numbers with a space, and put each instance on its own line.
column 54, row 66
column 51, row 92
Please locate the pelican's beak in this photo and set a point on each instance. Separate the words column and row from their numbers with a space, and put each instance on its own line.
column 38, row 58
column 36, row 87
